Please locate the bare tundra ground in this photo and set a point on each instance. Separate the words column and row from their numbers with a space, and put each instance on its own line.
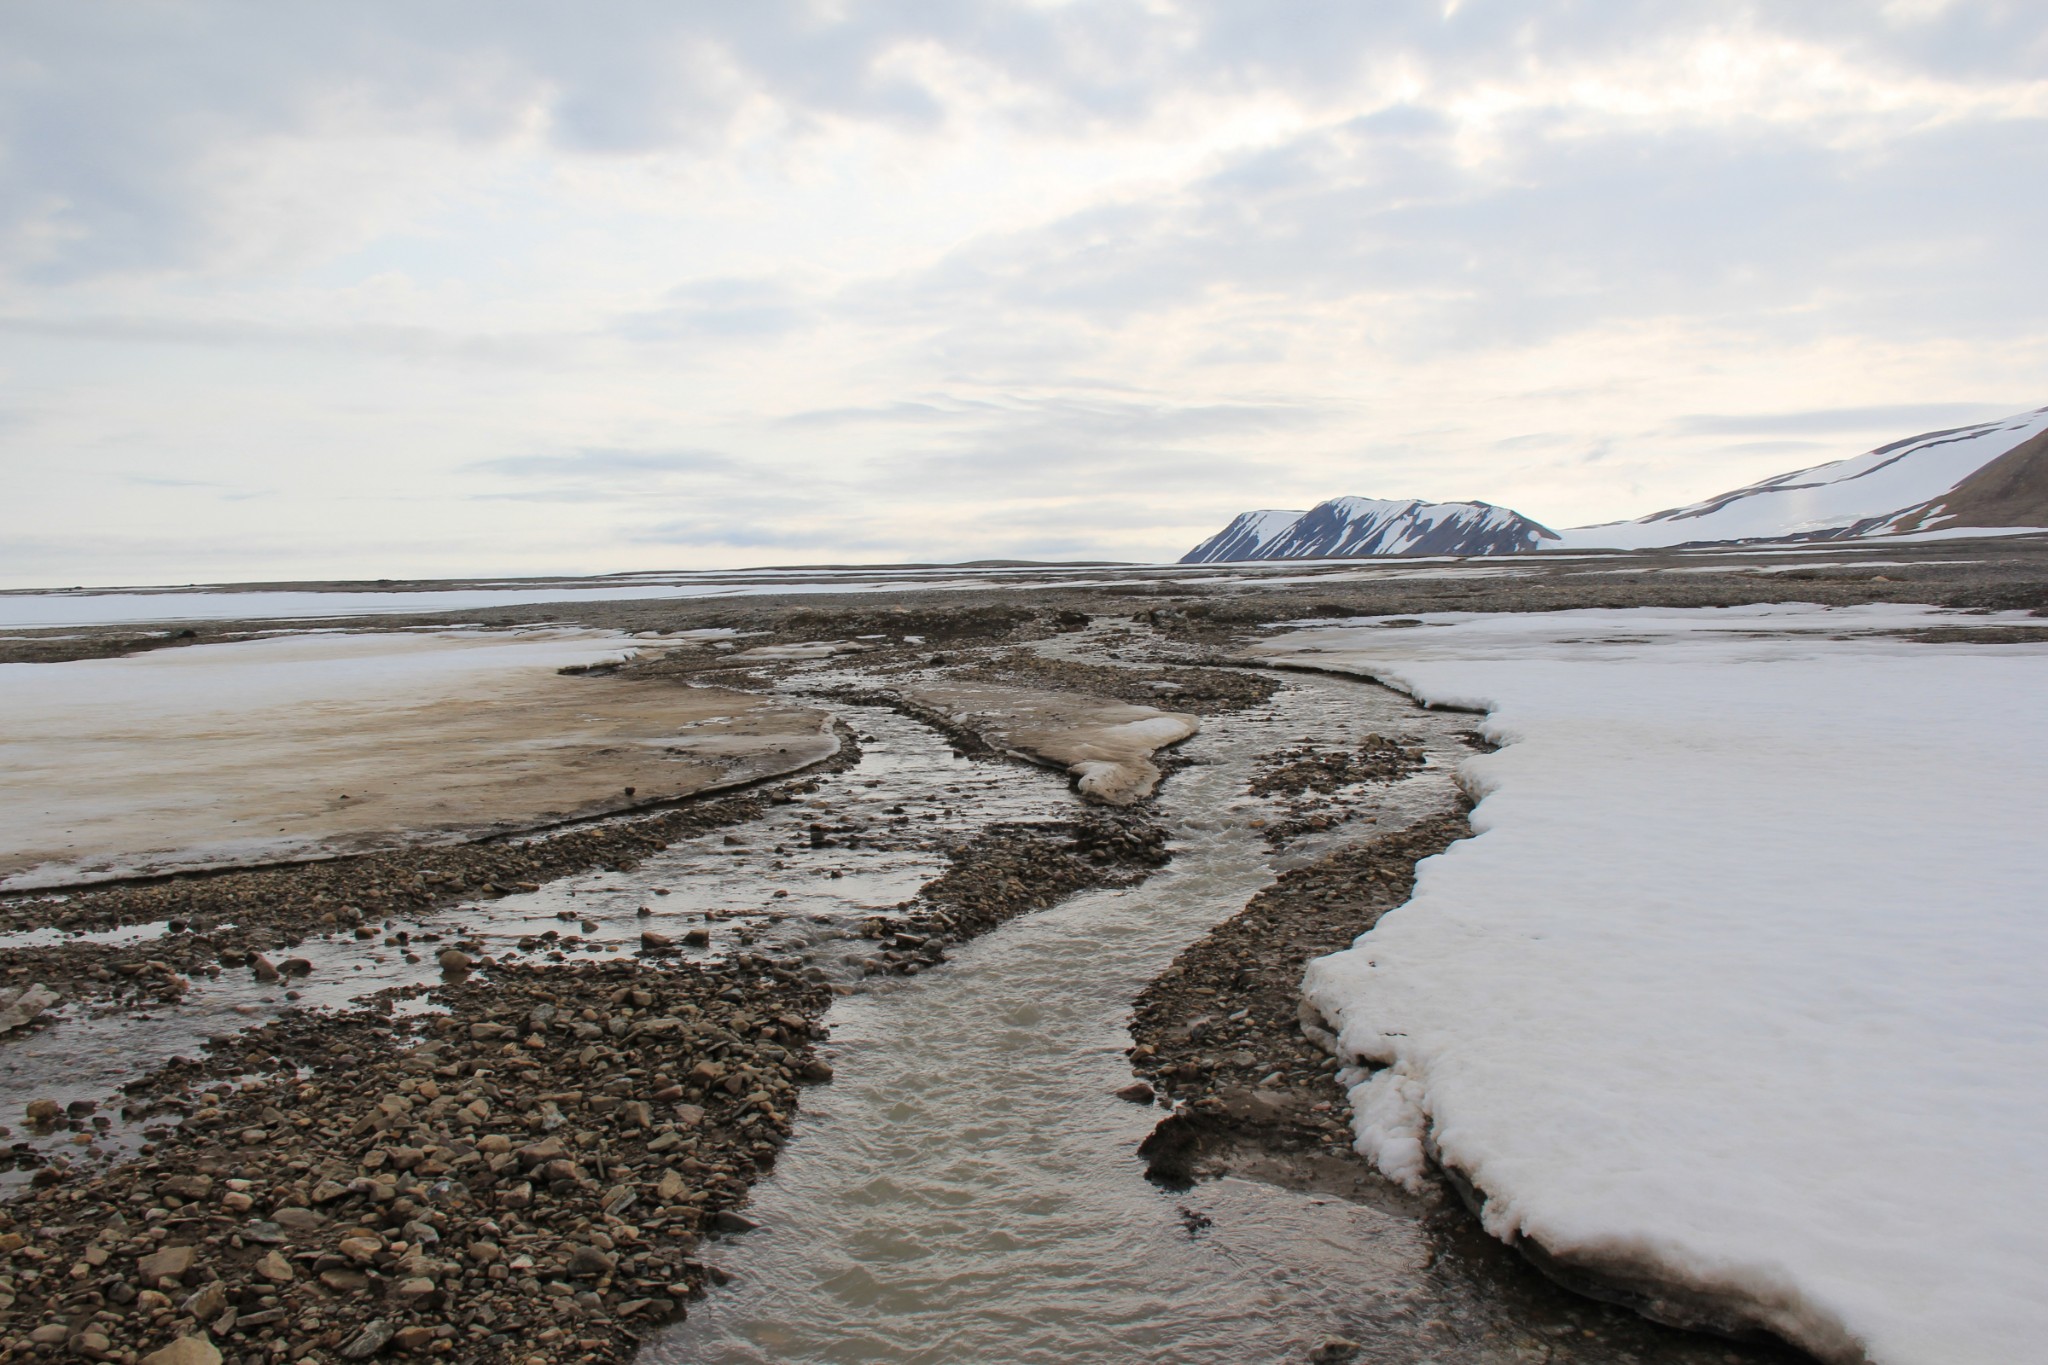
column 444, row 1075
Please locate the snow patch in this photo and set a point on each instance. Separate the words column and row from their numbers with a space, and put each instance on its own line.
column 1734, row 999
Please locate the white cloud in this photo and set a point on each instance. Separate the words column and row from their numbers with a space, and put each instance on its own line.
column 983, row 278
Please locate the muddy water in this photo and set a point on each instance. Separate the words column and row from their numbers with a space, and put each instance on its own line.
column 967, row 1189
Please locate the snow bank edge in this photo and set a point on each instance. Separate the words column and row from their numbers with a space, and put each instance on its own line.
column 1738, row 1303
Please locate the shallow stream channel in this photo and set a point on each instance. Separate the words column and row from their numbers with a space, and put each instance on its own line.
column 968, row 1188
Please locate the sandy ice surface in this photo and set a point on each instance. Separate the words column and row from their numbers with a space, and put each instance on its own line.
column 1106, row 745
column 305, row 744
column 1737, row 993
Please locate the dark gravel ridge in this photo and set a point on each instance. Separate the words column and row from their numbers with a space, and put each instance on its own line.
column 1199, row 691
column 1218, row 1033
column 1010, row 870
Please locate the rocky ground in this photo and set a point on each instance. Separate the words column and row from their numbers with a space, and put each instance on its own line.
column 1321, row 786
column 519, row 1164
column 522, row 1161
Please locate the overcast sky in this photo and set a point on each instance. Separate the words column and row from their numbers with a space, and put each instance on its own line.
column 429, row 287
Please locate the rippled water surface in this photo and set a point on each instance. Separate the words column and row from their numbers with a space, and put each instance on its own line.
column 968, row 1189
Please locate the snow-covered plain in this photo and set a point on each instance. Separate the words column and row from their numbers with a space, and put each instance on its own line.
column 1736, row 999
column 83, row 608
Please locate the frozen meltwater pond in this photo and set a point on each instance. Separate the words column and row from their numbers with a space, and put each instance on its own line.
column 1738, row 991
column 264, row 750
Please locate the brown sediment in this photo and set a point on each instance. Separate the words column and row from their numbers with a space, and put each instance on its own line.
column 231, row 916
column 350, row 774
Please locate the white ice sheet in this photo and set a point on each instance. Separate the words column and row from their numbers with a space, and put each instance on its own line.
column 1741, row 982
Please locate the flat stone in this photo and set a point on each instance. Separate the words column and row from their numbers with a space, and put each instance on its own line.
column 185, row 1351
column 205, row 1304
column 361, row 1250
column 168, row 1261
column 23, row 1007
column 587, row 1263
column 373, row 1338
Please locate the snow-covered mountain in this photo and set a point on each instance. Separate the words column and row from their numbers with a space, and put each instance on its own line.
column 1345, row 528
column 1991, row 475
column 1247, row 536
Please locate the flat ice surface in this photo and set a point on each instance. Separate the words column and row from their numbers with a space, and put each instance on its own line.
column 284, row 747
column 1740, row 986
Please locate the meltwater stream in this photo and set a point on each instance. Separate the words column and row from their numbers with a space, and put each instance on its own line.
column 968, row 1190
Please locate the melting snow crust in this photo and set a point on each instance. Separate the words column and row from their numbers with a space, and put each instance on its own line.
column 1738, row 992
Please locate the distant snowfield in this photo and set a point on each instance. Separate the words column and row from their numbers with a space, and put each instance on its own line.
column 1738, row 994
column 78, row 608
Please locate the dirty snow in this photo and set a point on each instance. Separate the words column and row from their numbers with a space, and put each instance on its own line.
column 300, row 745
column 1737, row 992
column 1105, row 745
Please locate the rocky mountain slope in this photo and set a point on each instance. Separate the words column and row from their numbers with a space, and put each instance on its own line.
column 1344, row 528
column 1992, row 475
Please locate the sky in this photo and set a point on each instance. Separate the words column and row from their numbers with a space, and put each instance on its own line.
column 437, row 288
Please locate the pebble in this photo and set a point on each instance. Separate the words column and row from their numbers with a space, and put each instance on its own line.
column 185, row 1351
